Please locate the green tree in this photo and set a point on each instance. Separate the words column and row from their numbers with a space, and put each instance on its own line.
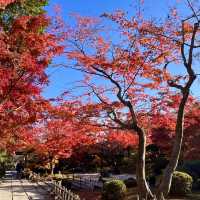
column 21, row 8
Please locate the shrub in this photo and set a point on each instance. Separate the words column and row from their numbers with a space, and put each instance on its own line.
column 181, row 183
column 114, row 190
column 57, row 177
column 130, row 182
column 191, row 167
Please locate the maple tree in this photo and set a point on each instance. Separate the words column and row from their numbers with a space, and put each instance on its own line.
column 60, row 132
column 121, row 74
column 66, row 129
column 26, row 49
column 105, row 149
column 163, row 129
column 187, row 37
column 123, row 67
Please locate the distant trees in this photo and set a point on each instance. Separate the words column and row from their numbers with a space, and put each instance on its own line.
column 163, row 130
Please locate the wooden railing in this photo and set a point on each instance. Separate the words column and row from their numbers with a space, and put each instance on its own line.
column 63, row 193
column 55, row 188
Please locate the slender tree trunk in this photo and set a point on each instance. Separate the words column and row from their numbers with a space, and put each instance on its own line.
column 165, row 185
column 143, row 188
column 51, row 163
column 166, row 180
column 52, row 167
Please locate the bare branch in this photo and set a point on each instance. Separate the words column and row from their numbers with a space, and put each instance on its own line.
column 194, row 12
column 172, row 83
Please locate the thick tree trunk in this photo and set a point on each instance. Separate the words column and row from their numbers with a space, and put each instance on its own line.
column 165, row 184
column 144, row 191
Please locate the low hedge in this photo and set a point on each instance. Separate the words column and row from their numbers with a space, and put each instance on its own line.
column 192, row 168
column 181, row 183
column 114, row 190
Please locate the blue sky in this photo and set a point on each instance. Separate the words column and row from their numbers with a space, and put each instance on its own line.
column 60, row 78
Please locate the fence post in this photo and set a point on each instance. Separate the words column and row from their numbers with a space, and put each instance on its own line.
column 60, row 192
column 66, row 193
column 56, row 189
column 63, row 196
column 60, row 183
column 69, row 194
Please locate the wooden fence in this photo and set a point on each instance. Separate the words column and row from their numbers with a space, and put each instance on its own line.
column 63, row 193
column 88, row 183
column 55, row 188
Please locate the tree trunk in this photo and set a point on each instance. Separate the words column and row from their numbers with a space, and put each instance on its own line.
column 51, row 162
column 143, row 188
column 166, row 180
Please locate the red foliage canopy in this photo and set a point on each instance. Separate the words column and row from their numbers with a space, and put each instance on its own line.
column 25, row 52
